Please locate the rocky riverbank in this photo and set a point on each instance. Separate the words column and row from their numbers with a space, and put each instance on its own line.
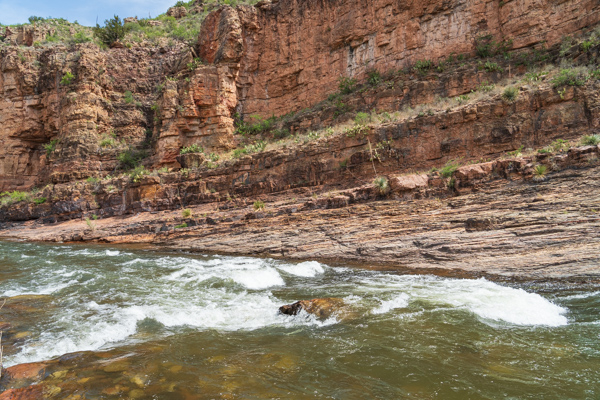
column 495, row 219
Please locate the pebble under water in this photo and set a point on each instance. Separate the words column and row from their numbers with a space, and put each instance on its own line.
column 134, row 323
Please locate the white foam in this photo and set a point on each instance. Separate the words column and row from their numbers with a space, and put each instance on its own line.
column 307, row 269
column 258, row 279
column 112, row 252
column 41, row 290
column 582, row 296
column 486, row 299
column 399, row 301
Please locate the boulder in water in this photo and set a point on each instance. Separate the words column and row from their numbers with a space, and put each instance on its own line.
column 321, row 308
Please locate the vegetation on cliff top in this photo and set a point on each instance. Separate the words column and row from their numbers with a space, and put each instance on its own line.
column 160, row 30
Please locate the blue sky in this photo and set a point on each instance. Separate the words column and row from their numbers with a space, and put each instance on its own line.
column 84, row 11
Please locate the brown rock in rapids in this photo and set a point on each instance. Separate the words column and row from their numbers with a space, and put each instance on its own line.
column 321, row 308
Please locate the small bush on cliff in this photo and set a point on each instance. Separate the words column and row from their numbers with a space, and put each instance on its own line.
column 259, row 205
column 362, row 118
column 346, row 85
column 569, row 77
column 112, row 31
column 50, row 147
column 422, row 66
column 90, row 224
column 490, row 67
column 80, row 37
column 9, row 198
column 539, row 173
column 257, row 126
column 448, row 169
column 186, row 213
column 373, row 77
column 510, row 94
column 381, row 183
column 590, row 140
column 131, row 158
column 128, row 97
column 192, row 149
column 194, row 64
column 485, row 46
column 256, row 147
column 67, row 79
column 137, row 173
column 34, row 19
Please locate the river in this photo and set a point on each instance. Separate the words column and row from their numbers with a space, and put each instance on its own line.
column 137, row 323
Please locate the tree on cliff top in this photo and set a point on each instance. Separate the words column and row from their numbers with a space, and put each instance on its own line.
column 112, row 31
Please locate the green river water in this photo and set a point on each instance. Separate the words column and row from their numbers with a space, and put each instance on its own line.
column 134, row 323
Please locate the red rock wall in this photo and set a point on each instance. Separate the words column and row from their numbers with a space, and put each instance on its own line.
column 294, row 51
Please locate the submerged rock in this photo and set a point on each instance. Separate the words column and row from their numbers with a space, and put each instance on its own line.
column 321, row 308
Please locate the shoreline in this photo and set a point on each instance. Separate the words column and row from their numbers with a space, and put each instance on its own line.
column 502, row 229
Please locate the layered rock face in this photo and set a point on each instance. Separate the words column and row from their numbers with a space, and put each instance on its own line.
column 52, row 123
column 268, row 60
column 294, row 51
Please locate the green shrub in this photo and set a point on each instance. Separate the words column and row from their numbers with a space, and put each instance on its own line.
column 485, row 46
column 112, row 31
column 312, row 135
column 463, row 98
column 214, row 157
column 516, row 153
column 362, row 118
column 237, row 153
column 40, row 200
column 373, row 77
column 491, row 67
column 131, row 158
column 341, row 108
column 259, row 205
column 91, row 225
column 256, row 147
column 486, row 87
column 559, row 144
column 568, row 77
column 346, row 85
column 128, row 96
column 50, row 147
column 137, row 173
column 34, row 19
column 590, row 140
column 9, row 198
column 586, row 45
column 422, row 66
column 184, row 225
column 80, row 37
column 448, row 169
column 382, row 184
column 107, row 142
column 539, row 172
column 186, row 213
column 534, row 76
column 67, row 79
column 259, row 126
column 194, row 64
column 93, row 180
column 510, row 94
column 194, row 148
